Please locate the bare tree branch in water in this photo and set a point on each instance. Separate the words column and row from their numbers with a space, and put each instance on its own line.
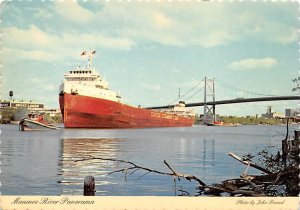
column 134, row 167
column 229, row 186
column 269, row 184
column 248, row 162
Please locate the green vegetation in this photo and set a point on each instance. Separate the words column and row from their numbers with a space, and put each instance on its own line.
column 249, row 120
column 52, row 120
column 10, row 114
column 252, row 120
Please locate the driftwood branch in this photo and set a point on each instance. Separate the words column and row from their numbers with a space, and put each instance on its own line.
column 136, row 167
column 249, row 163
column 246, row 185
column 235, row 187
column 187, row 177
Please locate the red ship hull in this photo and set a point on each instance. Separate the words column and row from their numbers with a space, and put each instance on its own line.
column 88, row 112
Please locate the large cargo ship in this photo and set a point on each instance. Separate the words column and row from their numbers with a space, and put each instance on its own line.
column 86, row 101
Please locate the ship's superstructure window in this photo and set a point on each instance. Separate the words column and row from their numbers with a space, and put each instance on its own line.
column 80, row 72
column 99, row 86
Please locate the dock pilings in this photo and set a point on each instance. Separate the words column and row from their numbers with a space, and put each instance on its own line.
column 89, row 186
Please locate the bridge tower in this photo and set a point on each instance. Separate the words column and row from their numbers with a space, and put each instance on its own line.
column 209, row 95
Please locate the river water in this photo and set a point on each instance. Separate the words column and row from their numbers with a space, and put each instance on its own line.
column 44, row 162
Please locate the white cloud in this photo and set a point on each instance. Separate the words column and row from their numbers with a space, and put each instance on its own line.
column 34, row 44
column 30, row 38
column 161, row 20
column 253, row 63
column 43, row 13
column 72, row 11
column 155, row 87
column 34, row 55
column 291, row 36
column 120, row 26
column 98, row 40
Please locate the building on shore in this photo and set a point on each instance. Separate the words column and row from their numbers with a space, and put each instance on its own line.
column 271, row 114
column 292, row 113
column 30, row 106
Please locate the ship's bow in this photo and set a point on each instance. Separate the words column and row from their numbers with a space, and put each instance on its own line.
column 62, row 99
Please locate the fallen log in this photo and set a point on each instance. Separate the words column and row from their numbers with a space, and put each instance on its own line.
column 218, row 189
column 274, row 178
column 249, row 163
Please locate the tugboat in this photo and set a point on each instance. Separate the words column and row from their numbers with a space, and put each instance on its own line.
column 35, row 122
column 215, row 123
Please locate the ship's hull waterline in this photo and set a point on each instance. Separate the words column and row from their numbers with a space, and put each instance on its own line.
column 88, row 112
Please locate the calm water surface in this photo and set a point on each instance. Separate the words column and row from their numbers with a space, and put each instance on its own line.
column 43, row 162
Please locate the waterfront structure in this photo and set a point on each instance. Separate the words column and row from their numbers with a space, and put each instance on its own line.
column 30, row 106
column 86, row 101
column 291, row 112
column 271, row 114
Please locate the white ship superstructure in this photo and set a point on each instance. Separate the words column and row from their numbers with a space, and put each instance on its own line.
column 87, row 82
column 179, row 110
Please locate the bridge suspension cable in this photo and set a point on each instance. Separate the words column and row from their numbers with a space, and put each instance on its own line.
column 242, row 90
column 213, row 103
column 189, row 91
column 195, row 94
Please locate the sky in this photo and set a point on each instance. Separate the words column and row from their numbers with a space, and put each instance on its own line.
column 147, row 50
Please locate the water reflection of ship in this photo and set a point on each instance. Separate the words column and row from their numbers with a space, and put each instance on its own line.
column 73, row 173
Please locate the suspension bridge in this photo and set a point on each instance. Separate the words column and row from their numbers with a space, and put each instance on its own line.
column 209, row 103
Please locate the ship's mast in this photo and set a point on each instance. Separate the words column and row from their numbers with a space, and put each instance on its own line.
column 90, row 59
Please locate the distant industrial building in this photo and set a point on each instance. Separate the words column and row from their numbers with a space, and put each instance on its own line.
column 291, row 113
column 271, row 114
column 31, row 106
